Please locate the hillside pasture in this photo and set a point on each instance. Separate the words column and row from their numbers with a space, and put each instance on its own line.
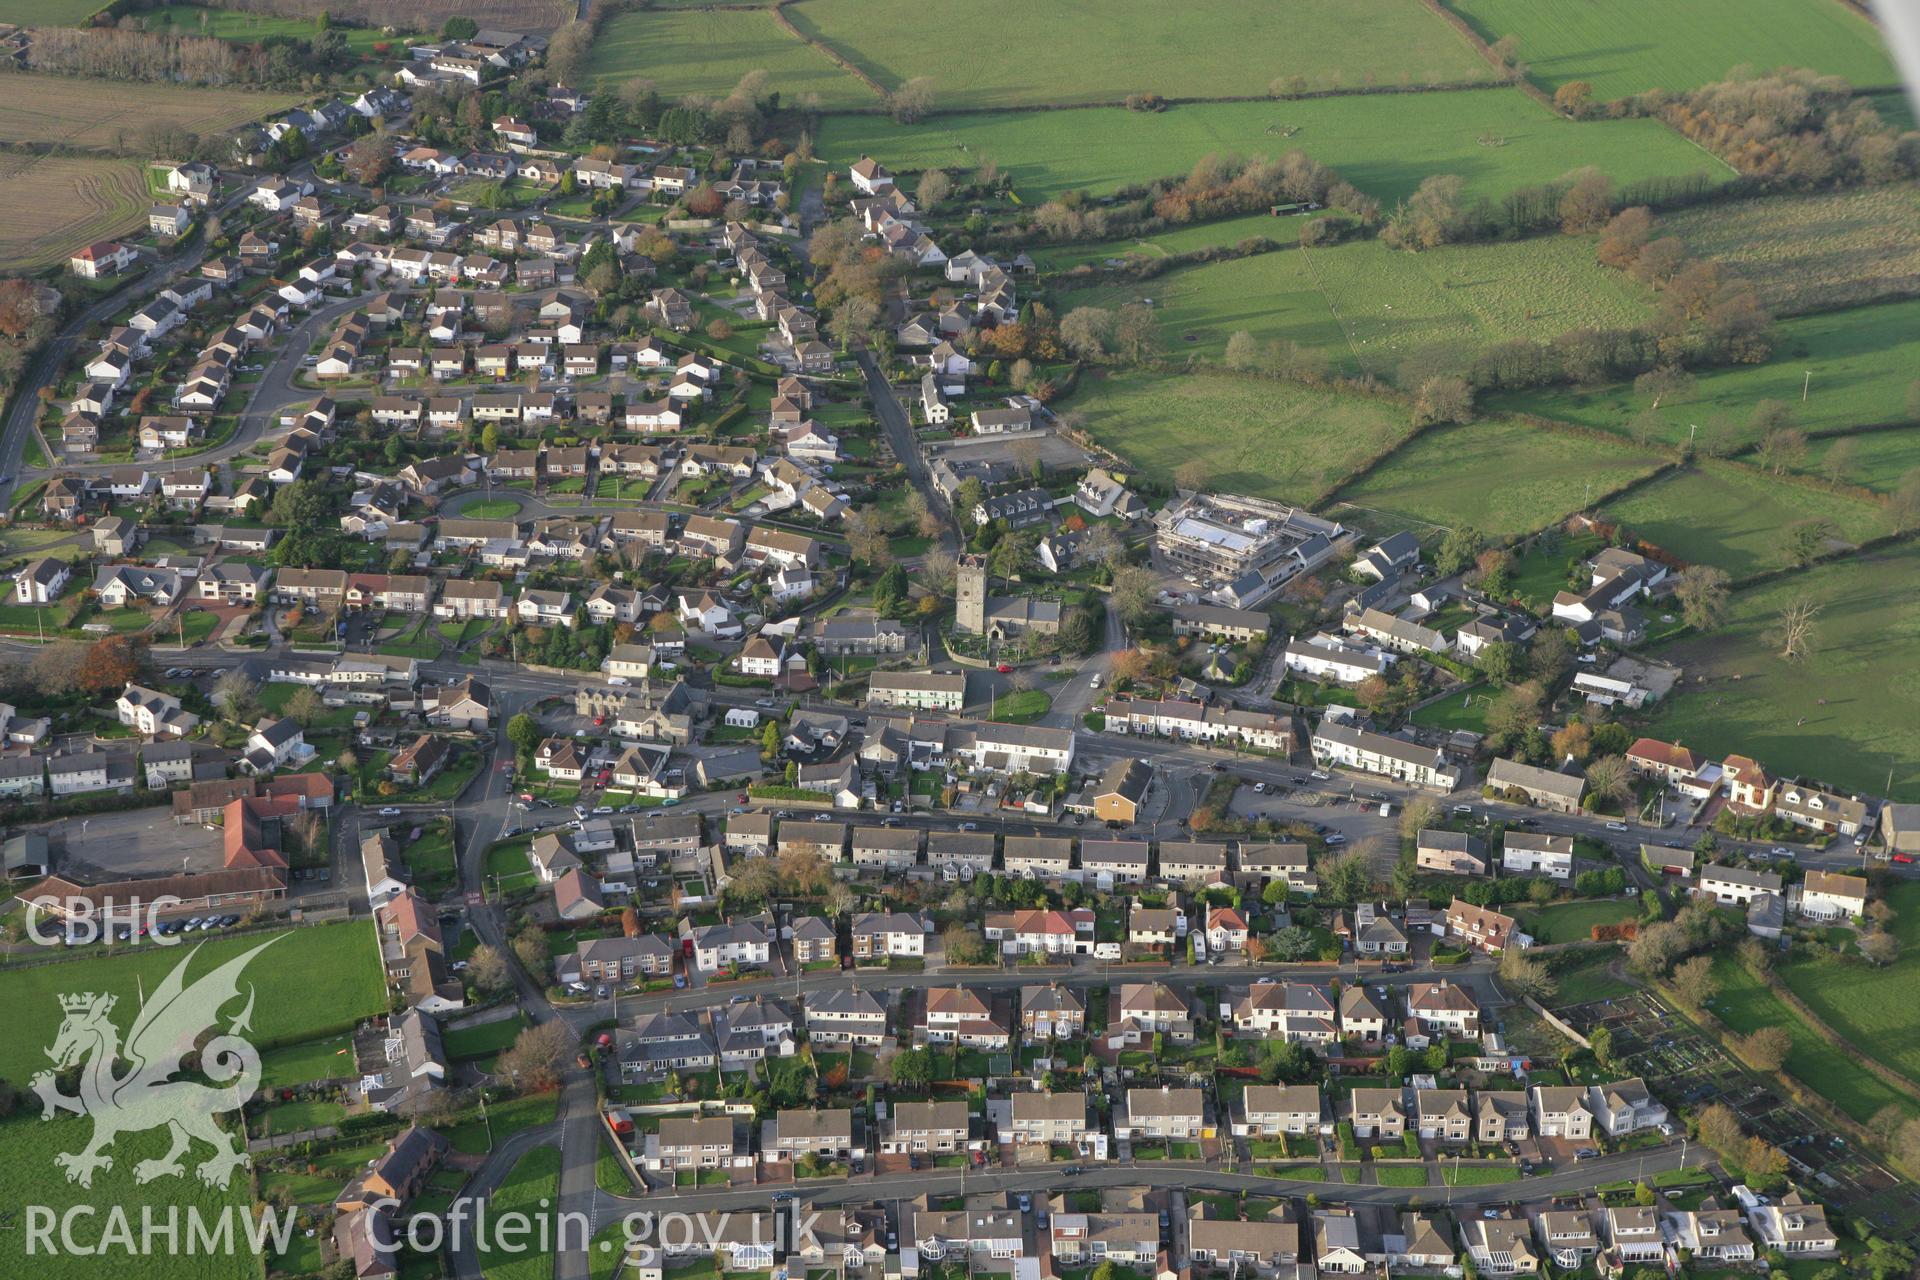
column 1862, row 361
column 1166, row 244
column 996, row 53
column 706, row 51
column 1495, row 139
column 1732, row 518
column 76, row 112
column 1502, row 477
column 1880, row 458
column 53, row 205
column 1874, row 1008
column 1624, row 47
column 1271, row 439
column 1392, row 304
column 1272, row 296
column 1805, row 253
column 1845, row 716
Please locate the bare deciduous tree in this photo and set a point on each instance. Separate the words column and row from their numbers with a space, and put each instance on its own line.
column 1797, row 629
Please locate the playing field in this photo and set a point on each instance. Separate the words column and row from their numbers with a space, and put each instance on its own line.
column 77, row 112
column 1500, row 477
column 29, row 1176
column 1622, row 47
column 1862, row 361
column 1011, row 52
column 53, row 205
column 1393, row 304
column 707, row 51
column 1805, row 252
column 1731, row 518
column 1874, row 1008
column 1845, row 716
column 1496, row 139
column 289, row 1006
column 1272, row 439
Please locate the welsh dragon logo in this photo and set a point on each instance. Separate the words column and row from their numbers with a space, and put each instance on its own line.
column 167, row 1031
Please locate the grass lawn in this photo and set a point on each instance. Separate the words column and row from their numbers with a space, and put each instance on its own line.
column 1874, row 1008
column 1746, row 1005
column 1587, row 981
column 1630, row 46
column 1732, row 518
column 1466, row 475
column 1477, row 1175
column 1862, row 360
column 1023, row 706
column 294, row 1117
column 1396, row 1175
column 487, row 1038
column 1053, row 54
column 1574, row 921
column 491, row 509
column 289, row 1006
column 469, row 1135
column 1295, row 1173
column 330, row 1058
column 1285, row 441
column 1466, row 709
column 1385, row 144
column 1846, row 715
column 707, row 52
column 535, row 1179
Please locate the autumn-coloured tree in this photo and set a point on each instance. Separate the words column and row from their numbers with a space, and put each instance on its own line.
column 111, row 664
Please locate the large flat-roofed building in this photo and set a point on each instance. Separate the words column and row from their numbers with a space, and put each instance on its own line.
column 1225, row 537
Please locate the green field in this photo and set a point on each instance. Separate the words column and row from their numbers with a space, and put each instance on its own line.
column 48, row 13
column 707, row 51
column 1021, row 706
column 1500, row 477
column 1393, row 304
column 1273, row 439
column 997, row 53
column 289, row 1006
column 1198, row 235
column 1272, row 296
column 330, row 1058
column 29, row 1177
column 1835, row 248
column 1862, row 361
column 1574, row 921
column 1629, row 46
column 247, row 28
column 1852, row 712
column 484, row 1039
column 1880, row 458
column 535, row 1177
column 1874, row 1008
column 1746, row 1005
column 1588, row 980
column 1732, row 518
column 1384, row 144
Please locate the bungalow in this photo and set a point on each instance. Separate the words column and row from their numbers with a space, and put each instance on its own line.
column 1450, row 852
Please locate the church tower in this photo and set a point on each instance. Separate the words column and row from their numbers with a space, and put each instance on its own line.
column 970, row 596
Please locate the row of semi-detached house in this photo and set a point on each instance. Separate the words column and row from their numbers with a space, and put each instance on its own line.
column 1034, row 857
